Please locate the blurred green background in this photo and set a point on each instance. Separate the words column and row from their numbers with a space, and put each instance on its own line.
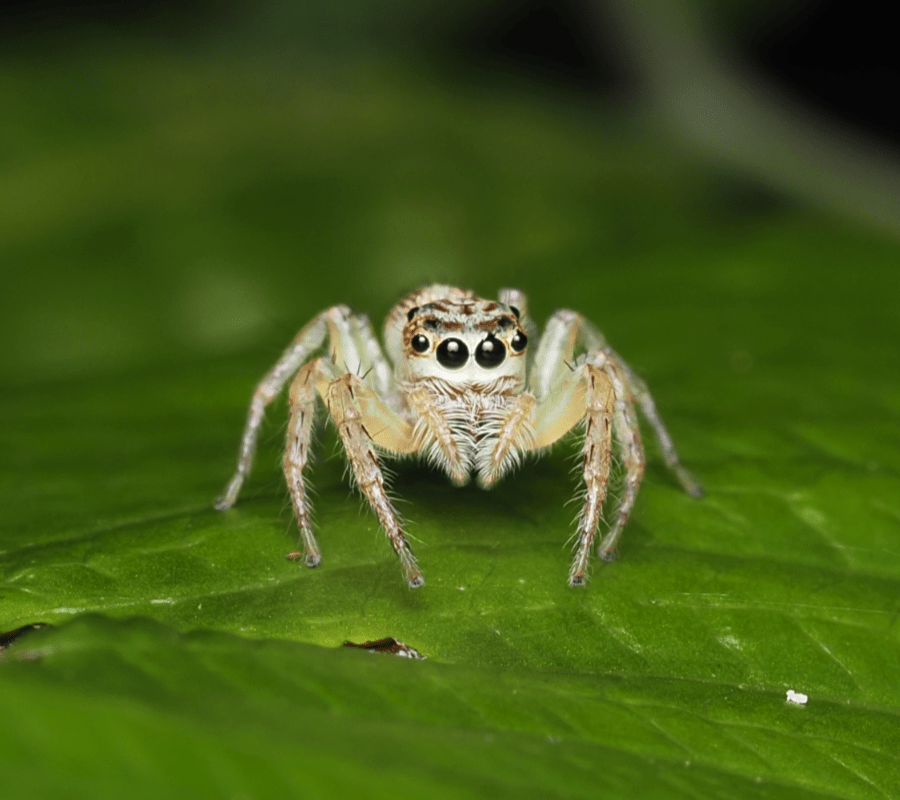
column 184, row 186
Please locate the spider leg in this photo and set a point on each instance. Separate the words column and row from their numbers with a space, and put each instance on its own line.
column 353, row 345
column 587, row 393
column 594, row 340
column 310, row 339
column 363, row 421
column 515, row 298
column 296, row 454
column 597, row 454
column 555, row 374
column 554, row 359
column 642, row 394
column 565, row 331
column 362, row 418
column 628, row 435
column 355, row 349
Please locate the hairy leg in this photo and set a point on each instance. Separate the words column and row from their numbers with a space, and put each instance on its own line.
column 554, row 370
column 597, row 454
column 353, row 347
column 587, row 393
column 642, row 394
column 355, row 410
column 628, row 436
column 310, row 339
column 296, row 456
column 594, row 341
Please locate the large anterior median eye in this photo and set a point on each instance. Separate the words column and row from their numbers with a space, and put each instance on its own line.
column 452, row 353
column 490, row 352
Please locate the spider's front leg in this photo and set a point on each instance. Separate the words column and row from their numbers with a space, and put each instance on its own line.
column 600, row 388
column 302, row 398
column 634, row 388
column 363, row 421
column 587, row 394
column 353, row 344
column 362, row 418
column 310, row 339
column 644, row 399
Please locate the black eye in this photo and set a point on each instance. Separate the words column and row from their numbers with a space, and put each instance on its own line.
column 519, row 341
column 515, row 311
column 411, row 313
column 490, row 352
column 452, row 353
column 420, row 343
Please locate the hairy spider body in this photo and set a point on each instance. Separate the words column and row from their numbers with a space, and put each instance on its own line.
column 467, row 394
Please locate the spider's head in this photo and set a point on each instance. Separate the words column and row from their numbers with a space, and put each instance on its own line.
column 464, row 341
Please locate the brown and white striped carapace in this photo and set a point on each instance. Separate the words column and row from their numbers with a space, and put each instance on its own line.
column 467, row 392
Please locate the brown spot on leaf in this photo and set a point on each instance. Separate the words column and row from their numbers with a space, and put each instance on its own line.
column 388, row 645
column 8, row 638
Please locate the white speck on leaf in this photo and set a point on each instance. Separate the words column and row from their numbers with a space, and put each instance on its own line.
column 797, row 698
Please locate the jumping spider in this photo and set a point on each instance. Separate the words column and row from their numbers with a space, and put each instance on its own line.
column 457, row 397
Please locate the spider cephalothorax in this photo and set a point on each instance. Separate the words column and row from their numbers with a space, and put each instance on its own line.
column 463, row 342
column 466, row 394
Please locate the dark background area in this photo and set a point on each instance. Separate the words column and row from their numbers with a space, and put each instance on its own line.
column 835, row 56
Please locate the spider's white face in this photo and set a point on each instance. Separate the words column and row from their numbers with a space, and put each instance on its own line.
column 463, row 342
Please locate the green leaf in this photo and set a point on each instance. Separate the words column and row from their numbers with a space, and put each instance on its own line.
column 167, row 250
